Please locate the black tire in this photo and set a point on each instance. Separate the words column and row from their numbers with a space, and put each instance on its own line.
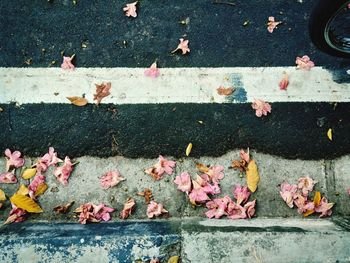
column 321, row 15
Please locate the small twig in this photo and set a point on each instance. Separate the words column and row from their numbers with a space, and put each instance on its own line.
column 225, row 3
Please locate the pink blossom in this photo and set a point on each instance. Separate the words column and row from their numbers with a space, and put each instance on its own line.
column 235, row 211
column 33, row 186
column 217, row 207
column 284, row 82
column 154, row 209
column 67, row 63
column 152, row 71
column 102, row 212
column 198, row 195
column 8, row 178
column 183, row 182
column 208, row 188
column 261, row 107
column 51, row 158
column 304, row 63
column 241, row 193
column 272, row 24
column 215, row 173
column 250, row 208
column 111, row 179
column 183, row 46
column 93, row 213
column 164, row 165
column 128, row 207
column 16, row 215
column 288, row 192
column 302, row 203
column 13, row 160
column 130, row 9
column 63, row 172
column 244, row 155
column 324, row 207
column 306, row 184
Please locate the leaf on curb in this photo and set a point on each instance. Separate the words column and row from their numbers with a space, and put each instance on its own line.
column 308, row 212
column 188, row 149
column 26, row 203
column 28, row 173
column 329, row 134
column 253, row 177
column 317, row 198
column 2, row 195
column 78, row 101
column 22, row 190
column 202, row 167
column 225, row 91
column 62, row 209
column 147, row 194
column 41, row 189
column 174, row 259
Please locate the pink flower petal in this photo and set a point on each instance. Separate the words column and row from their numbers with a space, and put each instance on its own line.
column 153, row 71
column 324, row 208
column 261, row 107
column 33, row 186
column 304, row 63
column 183, row 182
column 250, row 208
column 216, row 173
column 67, row 63
column 288, row 193
column 235, row 211
column 13, row 160
column 272, row 24
column 154, row 209
column 16, row 215
column 130, row 9
column 63, row 172
column 183, row 46
column 244, row 155
column 8, row 178
column 128, row 207
column 284, row 82
column 111, row 179
column 241, row 193
column 217, row 207
column 306, row 184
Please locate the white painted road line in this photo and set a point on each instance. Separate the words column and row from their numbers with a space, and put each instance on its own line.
column 174, row 85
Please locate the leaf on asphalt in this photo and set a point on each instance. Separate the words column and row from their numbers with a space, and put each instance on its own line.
column 253, row 177
column 26, row 203
column 102, row 91
column 22, row 190
column 284, row 82
column 225, row 91
column 202, row 167
column 41, row 189
column 329, row 134
column 147, row 194
column 2, row 195
column 62, row 209
column 188, row 149
column 174, row 259
column 78, row 101
column 28, row 173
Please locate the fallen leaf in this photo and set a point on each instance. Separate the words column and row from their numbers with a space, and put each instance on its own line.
column 28, row 173
column 22, row 190
column 308, row 212
column 41, row 189
column 241, row 165
column 188, row 149
column 174, row 259
column 329, row 134
column 2, row 195
column 62, row 209
column 78, row 101
column 26, row 203
column 225, row 91
column 102, row 91
column 147, row 194
column 317, row 198
column 200, row 122
column 253, row 177
column 202, row 167
column 246, row 23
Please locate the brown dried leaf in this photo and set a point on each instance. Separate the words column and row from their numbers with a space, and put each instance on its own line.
column 102, row 91
column 78, row 101
column 241, row 165
column 147, row 194
column 225, row 91
column 202, row 167
column 62, row 209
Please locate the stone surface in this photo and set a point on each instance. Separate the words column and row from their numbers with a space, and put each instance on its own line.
column 341, row 183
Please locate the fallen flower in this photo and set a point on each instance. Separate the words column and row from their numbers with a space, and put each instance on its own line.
column 152, row 71
column 241, row 193
column 128, row 207
column 304, row 63
column 67, row 62
column 130, row 9
column 102, row 212
column 16, row 215
column 78, row 101
column 217, row 207
column 306, row 184
column 197, row 194
column 164, row 165
column 250, row 208
column 63, row 172
column 225, row 91
column 288, row 192
column 203, row 181
column 235, row 211
column 324, row 208
column 49, row 159
column 183, row 46
column 62, row 209
column 13, row 160
column 245, row 155
column 284, row 82
column 261, row 107
column 111, row 179
column 154, row 209
column 216, row 173
column 102, row 91
column 93, row 213
column 8, row 178
column 147, row 194
column 183, row 182
column 303, row 204
column 34, row 184
column 272, row 24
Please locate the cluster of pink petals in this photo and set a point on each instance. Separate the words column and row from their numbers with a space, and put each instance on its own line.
column 13, row 160
column 304, row 63
column 128, row 207
column 93, row 213
column 155, row 209
column 183, row 46
column 162, row 166
column 216, row 173
column 217, row 207
column 63, row 172
column 261, row 107
column 241, row 193
column 16, row 215
column 130, row 9
column 49, row 159
column 152, row 71
column 324, row 208
column 183, row 182
column 272, row 24
column 288, row 192
column 67, row 63
column 111, row 179
column 8, row 178
column 306, row 185
column 33, row 186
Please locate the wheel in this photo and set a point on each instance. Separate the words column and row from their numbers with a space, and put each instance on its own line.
column 330, row 27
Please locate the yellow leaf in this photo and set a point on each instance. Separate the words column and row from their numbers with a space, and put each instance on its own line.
column 329, row 134
column 253, row 177
column 41, row 189
column 2, row 195
column 174, row 259
column 308, row 212
column 26, row 203
column 317, row 198
column 200, row 122
column 22, row 190
column 28, row 173
column 188, row 149
column 78, row 101
column 202, row 167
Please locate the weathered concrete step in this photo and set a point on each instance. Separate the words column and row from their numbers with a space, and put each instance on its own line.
column 256, row 240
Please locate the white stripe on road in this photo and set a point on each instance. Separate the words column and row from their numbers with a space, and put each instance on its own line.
column 196, row 85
